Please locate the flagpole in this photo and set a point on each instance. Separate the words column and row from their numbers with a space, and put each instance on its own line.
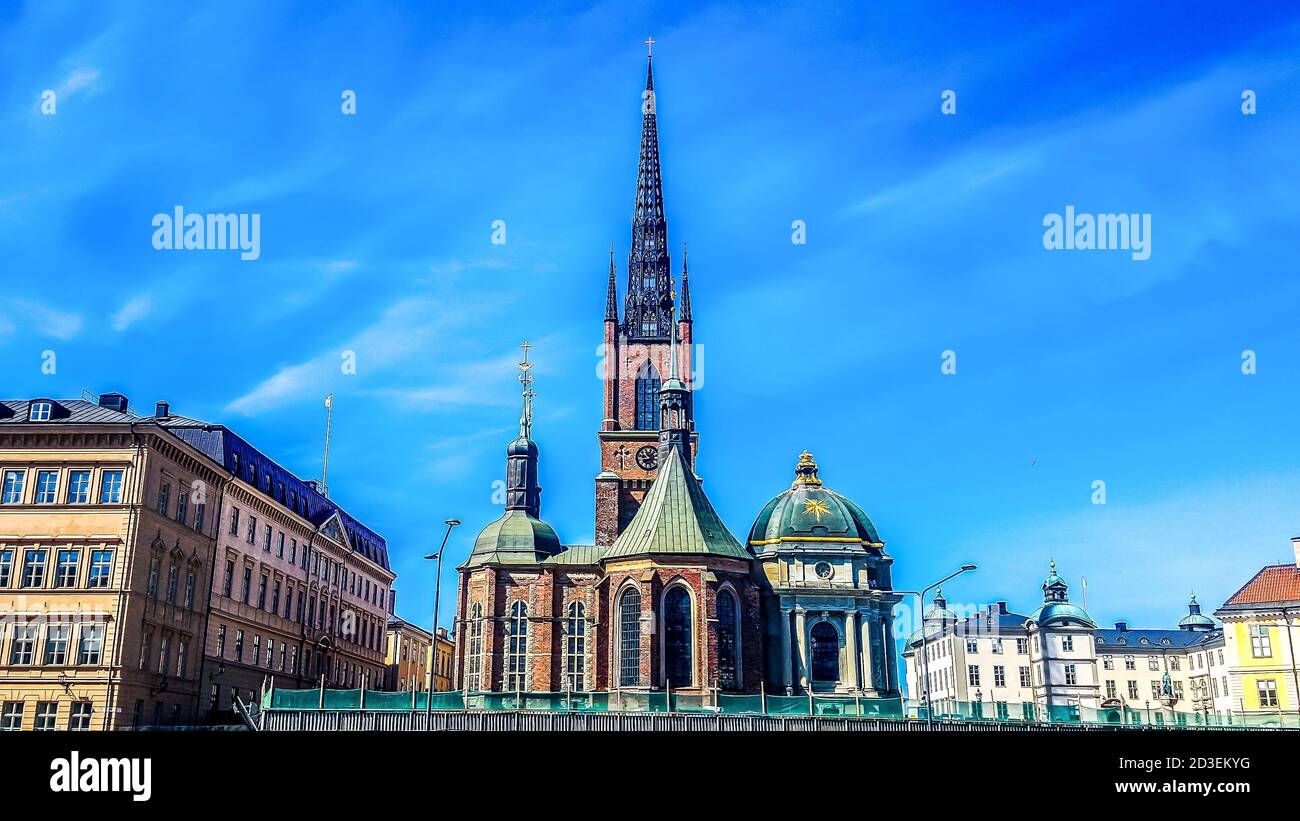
column 325, row 469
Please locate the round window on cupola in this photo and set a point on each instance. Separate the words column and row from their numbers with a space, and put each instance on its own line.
column 823, row 570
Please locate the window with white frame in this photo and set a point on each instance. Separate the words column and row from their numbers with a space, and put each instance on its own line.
column 1261, row 644
column 1071, row 675
column 90, row 651
column 1067, row 643
column 110, row 487
column 973, row 675
column 12, row 493
column 1108, row 662
column 40, row 411
column 78, row 487
column 1267, row 690
column 47, row 483
column 999, row 676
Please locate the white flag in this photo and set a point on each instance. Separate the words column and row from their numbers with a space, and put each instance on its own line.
column 329, row 400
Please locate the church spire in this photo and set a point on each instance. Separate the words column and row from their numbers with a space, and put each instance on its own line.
column 522, row 490
column 647, row 310
column 686, row 288
column 611, row 296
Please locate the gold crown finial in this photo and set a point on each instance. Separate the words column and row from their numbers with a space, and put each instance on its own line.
column 805, row 473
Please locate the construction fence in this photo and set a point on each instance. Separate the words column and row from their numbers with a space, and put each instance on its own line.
column 814, row 705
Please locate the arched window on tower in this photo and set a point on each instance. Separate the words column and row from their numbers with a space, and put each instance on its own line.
column 629, row 638
column 474, row 664
column 517, row 647
column 678, row 667
column 825, row 652
column 728, row 641
column 575, row 647
column 647, row 398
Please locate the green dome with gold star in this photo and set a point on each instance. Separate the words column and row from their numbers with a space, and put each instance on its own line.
column 811, row 512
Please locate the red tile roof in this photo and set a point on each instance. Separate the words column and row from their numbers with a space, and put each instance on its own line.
column 1275, row 583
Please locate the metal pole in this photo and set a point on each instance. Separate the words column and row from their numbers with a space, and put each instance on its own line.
column 437, row 593
column 925, row 660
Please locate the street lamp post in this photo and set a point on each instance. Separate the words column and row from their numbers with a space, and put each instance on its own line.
column 433, row 648
column 925, row 660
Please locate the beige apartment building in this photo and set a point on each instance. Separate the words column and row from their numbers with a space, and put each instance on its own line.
column 106, row 555
column 154, row 567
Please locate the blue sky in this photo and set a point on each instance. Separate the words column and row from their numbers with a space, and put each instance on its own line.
column 924, row 234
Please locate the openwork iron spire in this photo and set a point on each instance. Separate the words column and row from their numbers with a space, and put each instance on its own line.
column 647, row 311
column 611, row 296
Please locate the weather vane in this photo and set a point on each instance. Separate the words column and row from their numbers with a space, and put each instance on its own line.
column 526, row 382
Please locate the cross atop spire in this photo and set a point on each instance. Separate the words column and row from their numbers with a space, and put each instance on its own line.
column 526, row 382
column 649, row 46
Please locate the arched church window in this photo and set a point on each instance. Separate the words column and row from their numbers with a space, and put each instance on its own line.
column 575, row 647
column 728, row 641
column 677, row 637
column 825, row 652
column 647, row 398
column 629, row 638
column 474, row 664
column 517, row 647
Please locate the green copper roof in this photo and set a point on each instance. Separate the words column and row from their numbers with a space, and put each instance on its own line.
column 577, row 554
column 515, row 538
column 809, row 511
column 676, row 518
column 1058, row 611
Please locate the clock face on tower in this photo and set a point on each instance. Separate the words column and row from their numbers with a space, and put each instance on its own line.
column 647, row 458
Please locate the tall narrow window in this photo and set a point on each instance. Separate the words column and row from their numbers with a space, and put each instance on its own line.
column 575, row 647
column 474, row 664
column 728, row 674
column 677, row 638
column 517, row 647
column 629, row 639
column 647, row 398
column 825, row 652
column 110, row 487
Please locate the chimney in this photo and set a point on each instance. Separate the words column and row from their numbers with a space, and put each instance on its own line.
column 161, row 410
column 1121, row 626
column 392, row 601
column 1295, row 545
column 113, row 401
column 1002, row 608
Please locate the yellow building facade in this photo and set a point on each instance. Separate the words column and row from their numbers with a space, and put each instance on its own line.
column 1261, row 623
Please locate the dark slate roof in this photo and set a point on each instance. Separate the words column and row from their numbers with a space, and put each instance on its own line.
column 65, row 412
column 1155, row 638
column 223, row 446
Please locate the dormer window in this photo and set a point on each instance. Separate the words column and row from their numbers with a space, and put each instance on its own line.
column 40, row 411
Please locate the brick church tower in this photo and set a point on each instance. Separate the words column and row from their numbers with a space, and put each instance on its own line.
column 638, row 346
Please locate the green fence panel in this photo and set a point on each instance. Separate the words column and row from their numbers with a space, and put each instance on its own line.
column 296, row 699
column 342, row 699
column 387, row 701
column 788, row 706
column 741, row 705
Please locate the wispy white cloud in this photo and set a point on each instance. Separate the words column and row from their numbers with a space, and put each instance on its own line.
column 84, row 78
column 42, row 319
column 132, row 311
